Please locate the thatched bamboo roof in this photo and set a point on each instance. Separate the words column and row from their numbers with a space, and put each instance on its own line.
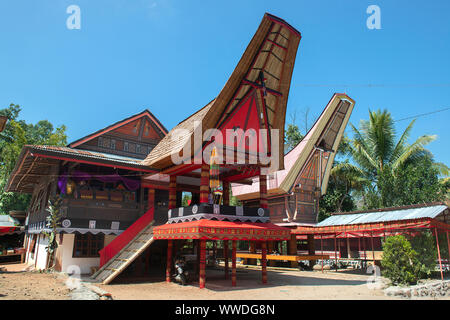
column 271, row 56
column 304, row 161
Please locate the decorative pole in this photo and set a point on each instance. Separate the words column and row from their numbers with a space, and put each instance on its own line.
column 335, row 251
column 226, row 193
column 204, row 184
column 202, row 274
column 448, row 248
column 173, row 192
column 151, row 199
column 264, row 261
column 263, row 203
column 169, row 260
column 225, row 257
column 233, row 263
column 321, row 249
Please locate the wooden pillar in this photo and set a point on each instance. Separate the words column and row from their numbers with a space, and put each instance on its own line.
column 252, row 249
column 365, row 251
column 263, row 203
column 348, row 247
column 173, row 192
column 233, row 263
column 439, row 253
column 169, row 260
column 335, row 252
column 202, row 272
column 204, row 184
column 311, row 248
column 292, row 249
column 151, row 199
column 373, row 250
column 448, row 248
column 264, row 261
column 321, row 249
column 226, row 193
column 225, row 257
column 359, row 247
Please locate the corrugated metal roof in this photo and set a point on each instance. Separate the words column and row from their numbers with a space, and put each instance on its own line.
column 90, row 154
column 383, row 216
column 8, row 221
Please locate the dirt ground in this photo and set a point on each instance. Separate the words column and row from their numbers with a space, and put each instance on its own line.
column 17, row 284
column 282, row 285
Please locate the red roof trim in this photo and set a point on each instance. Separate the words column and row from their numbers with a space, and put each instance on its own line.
column 117, row 125
column 102, row 164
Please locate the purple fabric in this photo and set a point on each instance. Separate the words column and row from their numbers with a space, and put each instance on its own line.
column 78, row 176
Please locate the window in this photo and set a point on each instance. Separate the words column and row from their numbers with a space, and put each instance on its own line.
column 113, row 144
column 100, row 142
column 126, row 146
column 87, row 245
column 138, row 148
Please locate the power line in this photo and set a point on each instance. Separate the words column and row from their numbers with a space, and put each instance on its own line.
column 423, row 114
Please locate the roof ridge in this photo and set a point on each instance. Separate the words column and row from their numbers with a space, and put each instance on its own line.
column 405, row 207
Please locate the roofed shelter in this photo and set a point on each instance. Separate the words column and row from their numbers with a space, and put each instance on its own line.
column 381, row 223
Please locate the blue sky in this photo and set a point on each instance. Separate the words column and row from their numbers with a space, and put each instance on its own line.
column 173, row 57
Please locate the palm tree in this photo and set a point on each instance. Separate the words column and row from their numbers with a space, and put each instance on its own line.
column 378, row 156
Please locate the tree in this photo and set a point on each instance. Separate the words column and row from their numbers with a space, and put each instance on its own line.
column 16, row 135
column 53, row 222
column 388, row 164
column 292, row 137
column 401, row 263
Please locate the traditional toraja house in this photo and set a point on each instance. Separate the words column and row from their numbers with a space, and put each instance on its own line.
column 252, row 101
column 358, row 235
column 99, row 177
column 294, row 192
column 122, row 185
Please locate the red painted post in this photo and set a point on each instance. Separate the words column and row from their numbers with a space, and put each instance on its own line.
column 373, row 250
column 335, row 251
column 263, row 191
column 225, row 256
column 173, row 192
column 448, row 248
column 233, row 263
column 204, row 184
column 169, row 260
column 321, row 249
column 226, row 193
column 151, row 199
column 202, row 272
column 439, row 253
column 365, row 252
column 264, row 261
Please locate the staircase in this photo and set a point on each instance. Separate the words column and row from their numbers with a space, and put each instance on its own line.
column 124, row 249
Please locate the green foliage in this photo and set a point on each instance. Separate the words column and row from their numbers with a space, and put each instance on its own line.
column 16, row 135
column 292, row 136
column 185, row 199
column 425, row 246
column 53, row 222
column 401, row 263
column 385, row 170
